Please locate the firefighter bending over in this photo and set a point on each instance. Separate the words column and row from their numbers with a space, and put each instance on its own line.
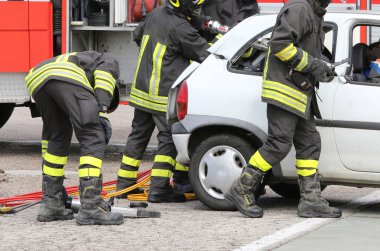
column 74, row 91
column 168, row 43
column 295, row 48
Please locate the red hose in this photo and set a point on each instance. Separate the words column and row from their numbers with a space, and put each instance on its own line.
column 36, row 196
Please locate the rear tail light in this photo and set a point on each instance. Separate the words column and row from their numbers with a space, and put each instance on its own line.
column 182, row 101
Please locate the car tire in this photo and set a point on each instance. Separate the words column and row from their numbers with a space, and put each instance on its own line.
column 230, row 153
column 287, row 190
column 6, row 111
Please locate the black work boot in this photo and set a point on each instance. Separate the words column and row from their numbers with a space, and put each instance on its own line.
column 312, row 204
column 241, row 193
column 52, row 207
column 161, row 191
column 93, row 210
column 123, row 183
column 181, row 182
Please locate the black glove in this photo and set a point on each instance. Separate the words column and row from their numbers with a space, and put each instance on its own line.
column 200, row 23
column 321, row 71
column 106, row 126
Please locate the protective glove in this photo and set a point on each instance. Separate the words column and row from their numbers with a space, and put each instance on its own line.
column 106, row 126
column 321, row 71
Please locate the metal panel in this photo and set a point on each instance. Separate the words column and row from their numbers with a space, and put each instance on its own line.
column 13, row 88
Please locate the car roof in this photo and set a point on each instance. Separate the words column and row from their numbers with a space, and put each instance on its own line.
column 244, row 31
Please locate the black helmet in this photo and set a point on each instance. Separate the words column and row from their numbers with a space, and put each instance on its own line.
column 190, row 8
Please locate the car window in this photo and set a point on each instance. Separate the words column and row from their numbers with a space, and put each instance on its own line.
column 251, row 58
column 364, row 55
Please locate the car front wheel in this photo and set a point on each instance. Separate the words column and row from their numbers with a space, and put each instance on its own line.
column 215, row 164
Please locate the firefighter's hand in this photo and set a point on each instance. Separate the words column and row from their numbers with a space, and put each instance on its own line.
column 321, row 71
column 106, row 126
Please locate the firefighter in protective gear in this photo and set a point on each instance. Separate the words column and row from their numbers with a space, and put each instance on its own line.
column 168, row 43
column 296, row 44
column 74, row 91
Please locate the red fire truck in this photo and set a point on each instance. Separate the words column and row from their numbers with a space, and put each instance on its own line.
column 34, row 30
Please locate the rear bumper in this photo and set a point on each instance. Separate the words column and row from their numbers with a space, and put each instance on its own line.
column 181, row 141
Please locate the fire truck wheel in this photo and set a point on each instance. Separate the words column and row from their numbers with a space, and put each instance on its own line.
column 5, row 112
column 215, row 164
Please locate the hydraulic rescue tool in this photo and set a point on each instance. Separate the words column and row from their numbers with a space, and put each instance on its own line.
column 215, row 27
column 74, row 205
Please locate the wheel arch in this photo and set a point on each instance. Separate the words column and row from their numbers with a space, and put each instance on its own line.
column 202, row 127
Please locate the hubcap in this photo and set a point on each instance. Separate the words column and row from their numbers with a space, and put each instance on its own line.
column 219, row 167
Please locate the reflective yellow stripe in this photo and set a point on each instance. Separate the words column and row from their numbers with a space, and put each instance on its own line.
column 303, row 62
column 219, row 36
column 130, row 161
column 306, row 172
column 103, row 114
column 158, row 55
column 58, row 160
column 166, row 159
column 89, row 172
column 104, row 80
column 127, row 174
column 283, row 99
column 147, row 96
column 180, row 167
column 299, row 96
column 287, row 53
column 56, row 172
column 64, row 57
column 60, row 58
column 89, row 160
column 258, row 161
column 66, row 65
column 175, row 3
column 302, row 163
column 200, row 2
column 104, row 85
column 145, row 40
column 105, row 75
column 147, row 104
column 61, row 73
column 161, row 173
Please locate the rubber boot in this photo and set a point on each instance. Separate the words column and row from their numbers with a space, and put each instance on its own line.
column 312, row 204
column 161, row 191
column 123, row 183
column 52, row 207
column 241, row 193
column 181, row 182
column 93, row 210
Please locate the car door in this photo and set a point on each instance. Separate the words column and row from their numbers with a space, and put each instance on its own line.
column 356, row 121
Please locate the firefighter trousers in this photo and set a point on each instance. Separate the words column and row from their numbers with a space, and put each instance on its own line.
column 143, row 125
column 64, row 107
column 285, row 129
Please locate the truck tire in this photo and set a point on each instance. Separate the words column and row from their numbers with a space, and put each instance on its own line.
column 5, row 112
column 287, row 190
column 215, row 164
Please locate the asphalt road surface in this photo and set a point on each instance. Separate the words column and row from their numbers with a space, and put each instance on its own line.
column 182, row 226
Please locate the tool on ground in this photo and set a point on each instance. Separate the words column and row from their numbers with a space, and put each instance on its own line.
column 74, row 205
column 16, row 209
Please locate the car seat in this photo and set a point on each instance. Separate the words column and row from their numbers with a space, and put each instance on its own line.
column 360, row 62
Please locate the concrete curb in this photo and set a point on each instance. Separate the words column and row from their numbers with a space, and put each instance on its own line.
column 113, row 148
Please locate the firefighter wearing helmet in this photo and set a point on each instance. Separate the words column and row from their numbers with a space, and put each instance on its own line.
column 168, row 43
column 75, row 91
column 292, row 71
